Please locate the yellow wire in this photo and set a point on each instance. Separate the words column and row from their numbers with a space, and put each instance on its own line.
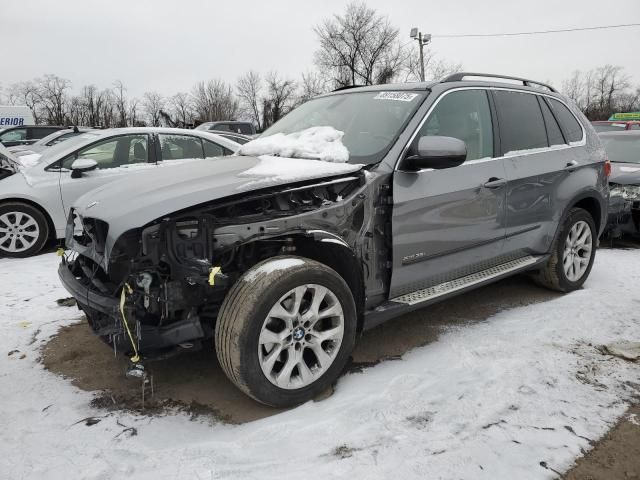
column 123, row 297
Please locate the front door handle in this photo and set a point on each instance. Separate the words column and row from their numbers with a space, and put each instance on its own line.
column 494, row 182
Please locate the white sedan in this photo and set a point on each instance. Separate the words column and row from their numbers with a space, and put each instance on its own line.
column 36, row 191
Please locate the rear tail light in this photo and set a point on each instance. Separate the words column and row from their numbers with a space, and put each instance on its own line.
column 607, row 168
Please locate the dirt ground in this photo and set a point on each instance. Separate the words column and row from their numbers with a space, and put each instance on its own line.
column 196, row 381
column 616, row 456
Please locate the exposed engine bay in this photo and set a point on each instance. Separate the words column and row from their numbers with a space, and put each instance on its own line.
column 166, row 281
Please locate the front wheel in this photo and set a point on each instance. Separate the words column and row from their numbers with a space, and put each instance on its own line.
column 285, row 330
column 573, row 254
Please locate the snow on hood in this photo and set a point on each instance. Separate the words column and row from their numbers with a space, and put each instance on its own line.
column 277, row 170
column 30, row 160
column 317, row 143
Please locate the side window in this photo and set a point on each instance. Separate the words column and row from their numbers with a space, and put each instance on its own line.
column 567, row 120
column 114, row 152
column 464, row 115
column 14, row 135
column 245, row 128
column 177, row 147
column 553, row 129
column 38, row 133
column 221, row 127
column 212, row 149
column 520, row 119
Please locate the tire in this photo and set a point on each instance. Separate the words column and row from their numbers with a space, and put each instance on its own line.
column 24, row 230
column 250, row 315
column 554, row 274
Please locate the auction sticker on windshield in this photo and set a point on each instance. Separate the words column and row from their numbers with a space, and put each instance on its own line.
column 398, row 96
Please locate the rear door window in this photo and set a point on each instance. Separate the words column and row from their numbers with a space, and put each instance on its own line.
column 520, row 118
column 464, row 115
column 178, row 147
column 568, row 122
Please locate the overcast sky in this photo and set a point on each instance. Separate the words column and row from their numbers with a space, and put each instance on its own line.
column 167, row 46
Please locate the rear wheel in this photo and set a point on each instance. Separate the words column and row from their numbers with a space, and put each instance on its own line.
column 23, row 230
column 573, row 254
column 285, row 330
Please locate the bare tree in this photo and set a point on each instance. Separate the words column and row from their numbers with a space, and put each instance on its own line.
column 311, row 85
column 182, row 109
column 214, row 100
column 25, row 93
column 249, row 86
column 359, row 47
column 52, row 92
column 134, row 121
column 279, row 98
column 152, row 103
column 120, row 99
column 601, row 92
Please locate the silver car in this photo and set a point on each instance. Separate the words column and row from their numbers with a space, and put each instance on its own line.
column 37, row 190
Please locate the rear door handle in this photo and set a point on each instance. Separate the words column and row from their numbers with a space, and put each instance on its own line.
column 571, row 166
column 494, row 182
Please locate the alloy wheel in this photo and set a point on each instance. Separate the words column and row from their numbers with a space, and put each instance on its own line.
column 301, row 336
column 19, row 231
column 577, row 251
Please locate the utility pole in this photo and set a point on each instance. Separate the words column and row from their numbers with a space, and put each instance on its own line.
column 423, row 39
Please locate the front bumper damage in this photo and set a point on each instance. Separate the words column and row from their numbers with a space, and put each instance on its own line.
column 106, row 318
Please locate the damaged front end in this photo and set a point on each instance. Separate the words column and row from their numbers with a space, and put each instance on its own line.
column 159, row 290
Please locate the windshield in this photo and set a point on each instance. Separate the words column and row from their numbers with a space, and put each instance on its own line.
column 622, row 148
column 76, row 141
column 371, row 121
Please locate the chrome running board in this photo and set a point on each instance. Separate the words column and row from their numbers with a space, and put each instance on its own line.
column 464, row 282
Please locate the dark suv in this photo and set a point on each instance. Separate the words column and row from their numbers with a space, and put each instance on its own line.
column 284, row 261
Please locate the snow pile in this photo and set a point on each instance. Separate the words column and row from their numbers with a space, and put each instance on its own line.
column 519, row 395
column 276, row 170
column 317, row 143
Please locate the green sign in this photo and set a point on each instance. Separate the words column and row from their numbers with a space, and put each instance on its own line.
column 625, row 116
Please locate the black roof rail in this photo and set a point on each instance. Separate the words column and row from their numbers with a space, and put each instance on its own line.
column 457, row 77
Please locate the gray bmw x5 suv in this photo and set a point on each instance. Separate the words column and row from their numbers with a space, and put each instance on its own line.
column 280, row 260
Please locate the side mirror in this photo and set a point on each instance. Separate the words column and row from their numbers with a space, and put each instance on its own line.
column 81, row 165
column 436, row 152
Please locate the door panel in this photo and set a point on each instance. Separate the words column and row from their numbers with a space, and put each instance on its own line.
column 447, row 223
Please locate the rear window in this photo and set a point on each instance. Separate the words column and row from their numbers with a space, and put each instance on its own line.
column 568, row 122
column 520, row 118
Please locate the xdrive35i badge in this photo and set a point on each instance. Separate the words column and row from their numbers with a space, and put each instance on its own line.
column 416, row 257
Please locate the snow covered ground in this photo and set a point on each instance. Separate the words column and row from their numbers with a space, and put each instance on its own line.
column 515, row 396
